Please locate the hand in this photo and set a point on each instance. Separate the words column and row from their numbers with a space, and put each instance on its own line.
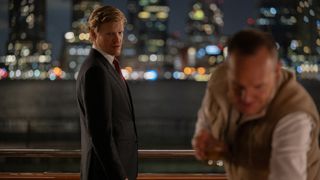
column 126, row 178
column 207, row 147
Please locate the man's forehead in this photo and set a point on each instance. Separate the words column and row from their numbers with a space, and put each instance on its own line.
column 261, row 58
column 112, row 26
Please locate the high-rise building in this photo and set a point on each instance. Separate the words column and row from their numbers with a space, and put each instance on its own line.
column 308, row 20
column 279, row 17
column 28, row 53
column 146, row 35
column 204, row 24
column 77, row 46
column 295, row 25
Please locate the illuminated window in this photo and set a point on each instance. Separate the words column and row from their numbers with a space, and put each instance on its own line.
column 162, row 15
column 144, row 15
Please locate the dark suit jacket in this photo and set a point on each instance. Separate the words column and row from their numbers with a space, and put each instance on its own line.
column 108, row 131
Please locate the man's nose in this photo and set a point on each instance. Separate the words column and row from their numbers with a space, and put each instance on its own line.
column 117, row 38
column 246, row 96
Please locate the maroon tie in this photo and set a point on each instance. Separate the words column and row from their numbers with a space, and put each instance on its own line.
column 117, row 67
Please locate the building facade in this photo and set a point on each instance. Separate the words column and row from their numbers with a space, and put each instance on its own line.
column 28, row 54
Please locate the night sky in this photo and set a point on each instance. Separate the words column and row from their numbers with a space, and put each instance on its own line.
column 59, row 18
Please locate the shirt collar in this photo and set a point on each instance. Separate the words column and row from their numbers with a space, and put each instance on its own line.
column 109, row 57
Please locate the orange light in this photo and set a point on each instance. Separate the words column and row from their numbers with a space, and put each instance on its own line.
column 57, row 71
column 201, row 70
column 193, row 70
column 129, row 69
column 187, row 70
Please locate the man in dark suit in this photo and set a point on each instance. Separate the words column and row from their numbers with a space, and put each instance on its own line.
column 108, row 131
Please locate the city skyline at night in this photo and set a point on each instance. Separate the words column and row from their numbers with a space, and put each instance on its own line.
column 59, row 18
column 151, row 47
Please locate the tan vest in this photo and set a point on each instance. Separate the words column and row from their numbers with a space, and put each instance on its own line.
column 251, row 144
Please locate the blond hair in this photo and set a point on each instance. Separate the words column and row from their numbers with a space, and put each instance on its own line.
column 105, row 14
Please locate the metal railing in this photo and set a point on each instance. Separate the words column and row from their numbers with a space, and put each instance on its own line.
column 58, row 153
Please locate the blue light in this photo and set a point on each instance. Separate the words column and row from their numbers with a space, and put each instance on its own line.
column 176, row 75
column 299, row 69
column 52, row 77
column 36, row 73
column 294, row 44
column 318, row 24
column 201, row 53
column 151, row 75
column 213, row 50
column 273, row 11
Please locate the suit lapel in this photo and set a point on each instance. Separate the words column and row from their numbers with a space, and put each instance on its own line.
column 114, row 74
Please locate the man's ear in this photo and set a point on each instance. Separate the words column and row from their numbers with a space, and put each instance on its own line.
column 92, row 35
column 278, row 68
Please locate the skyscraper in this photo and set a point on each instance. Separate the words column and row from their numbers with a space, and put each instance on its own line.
column 308, row 20
column 28, row 52
column 295, row 24
column 147, row 33
column 204, row 24
column 279, row 17
column 77, row 45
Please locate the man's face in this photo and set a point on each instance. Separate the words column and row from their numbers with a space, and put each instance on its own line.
column 109, row 37
column 252, row 80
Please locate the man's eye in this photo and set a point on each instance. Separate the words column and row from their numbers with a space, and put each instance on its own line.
column 237, row 89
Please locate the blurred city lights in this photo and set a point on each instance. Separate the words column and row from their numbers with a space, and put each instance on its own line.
column 169, row 57
column 3, row 73
column 125, row 73
column 57, row 71
column 187, row 71
column 129, row 69
column 69, row 35
column 213, row 50
column 150, row 75
column 201, row 70
column 167, row 75
column 179, row 75
column 134, row 75
column 201, row 53
column 144, row 15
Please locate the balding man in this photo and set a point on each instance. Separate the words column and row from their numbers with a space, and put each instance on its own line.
column 256, row 117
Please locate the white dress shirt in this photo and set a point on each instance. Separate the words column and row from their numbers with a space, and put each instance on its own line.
column 290, row 144
column 109, row 57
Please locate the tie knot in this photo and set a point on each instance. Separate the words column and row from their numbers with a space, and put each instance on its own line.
column 115, row 62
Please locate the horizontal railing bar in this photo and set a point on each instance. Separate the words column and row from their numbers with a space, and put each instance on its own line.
column 142, row 176
column 58, row 153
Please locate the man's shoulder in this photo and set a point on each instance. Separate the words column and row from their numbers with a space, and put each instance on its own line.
column 89, row 66
column 218, row 76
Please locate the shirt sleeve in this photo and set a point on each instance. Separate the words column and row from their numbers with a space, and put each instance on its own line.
column 203, row 116
column 291, row 142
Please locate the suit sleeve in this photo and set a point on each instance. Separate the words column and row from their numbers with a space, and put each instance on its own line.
column 98, row 105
